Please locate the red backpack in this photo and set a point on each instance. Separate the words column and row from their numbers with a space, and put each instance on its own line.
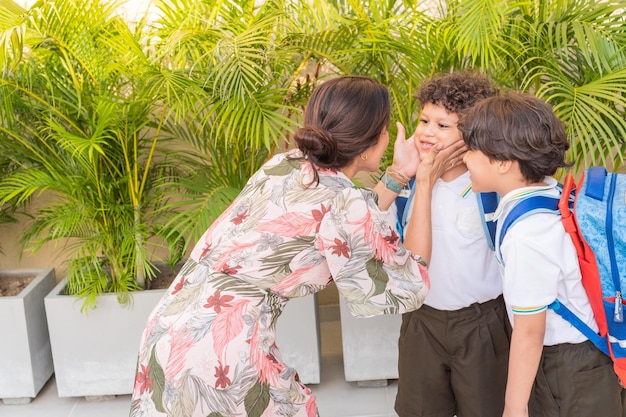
column 594, row 215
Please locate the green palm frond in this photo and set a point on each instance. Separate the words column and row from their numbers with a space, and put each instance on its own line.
column 476, row 31
column 72, row 32
column 218, row 172
column 12, row 34
column 594, row 116
column 575, row 59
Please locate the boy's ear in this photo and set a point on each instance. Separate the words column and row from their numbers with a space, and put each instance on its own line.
column 505, row 166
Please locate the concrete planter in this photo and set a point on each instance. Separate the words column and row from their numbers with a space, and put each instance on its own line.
column 370, row 347
column 25, row 356
column 298, row 338
column 95, row 354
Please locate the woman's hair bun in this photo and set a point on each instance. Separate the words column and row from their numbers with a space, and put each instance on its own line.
column 317, row 144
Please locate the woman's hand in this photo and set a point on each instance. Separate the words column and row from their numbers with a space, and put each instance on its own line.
column 418, row 234
column 406, row 157
column 405, row 154
column 439, row 160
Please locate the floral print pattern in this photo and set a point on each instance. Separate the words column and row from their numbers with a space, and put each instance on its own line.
column 209, row 348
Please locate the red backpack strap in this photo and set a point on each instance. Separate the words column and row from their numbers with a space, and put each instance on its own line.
column 586, row 258
column 565, row 207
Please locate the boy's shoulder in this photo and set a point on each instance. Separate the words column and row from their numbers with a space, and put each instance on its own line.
column 540, row 236
column 530, row 217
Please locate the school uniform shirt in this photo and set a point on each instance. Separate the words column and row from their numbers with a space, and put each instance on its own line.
column 539, row 265
column 209, row 345
column 463, row 269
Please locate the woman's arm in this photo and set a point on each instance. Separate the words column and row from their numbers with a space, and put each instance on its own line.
column 372, row 271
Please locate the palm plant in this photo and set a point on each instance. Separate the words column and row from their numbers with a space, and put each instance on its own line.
column 255, row 83
column 570, row 53
column 91, row 111
column 580, row 68
column 83, row 120
column 384, row 40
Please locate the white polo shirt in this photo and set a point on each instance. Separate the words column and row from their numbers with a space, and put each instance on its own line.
column 540, row 265
column 462, row 269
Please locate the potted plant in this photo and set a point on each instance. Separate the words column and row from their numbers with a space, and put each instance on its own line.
column 88, row 120
column 82, row 122
column 25, row 354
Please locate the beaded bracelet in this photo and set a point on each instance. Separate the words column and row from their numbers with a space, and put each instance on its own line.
column 398, row 176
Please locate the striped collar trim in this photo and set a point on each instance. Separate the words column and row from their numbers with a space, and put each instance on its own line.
column 466, row 191
column 522, row 193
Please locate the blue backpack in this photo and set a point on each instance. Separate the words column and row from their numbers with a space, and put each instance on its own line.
column 594, row 215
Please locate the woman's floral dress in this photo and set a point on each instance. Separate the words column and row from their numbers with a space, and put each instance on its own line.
column 208, row 347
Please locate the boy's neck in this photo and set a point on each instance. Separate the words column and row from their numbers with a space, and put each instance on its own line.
column 454, row 173
column 510, row 178
column 507, row 188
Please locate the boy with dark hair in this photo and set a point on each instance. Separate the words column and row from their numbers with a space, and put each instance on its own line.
column 516, row 143
column 453, row 351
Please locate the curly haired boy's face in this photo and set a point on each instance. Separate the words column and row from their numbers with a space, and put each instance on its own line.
column 435, row 126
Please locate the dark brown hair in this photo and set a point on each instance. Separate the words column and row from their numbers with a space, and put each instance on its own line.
column 518, row 127
column 456, row 92
column 343, row 117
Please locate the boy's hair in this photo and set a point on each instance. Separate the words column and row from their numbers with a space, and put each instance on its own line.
column 517, row 127
column 456, row 92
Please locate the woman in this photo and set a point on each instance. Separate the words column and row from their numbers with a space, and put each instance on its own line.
column 208, row 348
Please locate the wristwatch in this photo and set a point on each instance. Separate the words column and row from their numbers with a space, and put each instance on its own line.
column 391, row 184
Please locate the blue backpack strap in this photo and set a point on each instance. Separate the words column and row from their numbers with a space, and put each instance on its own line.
column 600, row 342
column 533, row 204
column 618, row 315
column 401, row 202
column 487, row 204
column 543, row 203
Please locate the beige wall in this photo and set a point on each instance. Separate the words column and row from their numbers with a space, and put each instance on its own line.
column 11, row 255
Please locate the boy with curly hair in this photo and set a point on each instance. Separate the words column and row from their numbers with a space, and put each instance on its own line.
column 454, row 350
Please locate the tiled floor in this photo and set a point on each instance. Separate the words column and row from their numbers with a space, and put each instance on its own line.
column 335, row 396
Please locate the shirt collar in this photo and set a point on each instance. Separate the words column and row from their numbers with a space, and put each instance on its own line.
column 523, row 192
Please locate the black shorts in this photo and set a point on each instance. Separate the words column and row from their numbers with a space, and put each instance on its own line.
column 575, row 380
column 453, row 362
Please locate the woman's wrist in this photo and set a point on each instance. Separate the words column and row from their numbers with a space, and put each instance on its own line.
column 394, row 180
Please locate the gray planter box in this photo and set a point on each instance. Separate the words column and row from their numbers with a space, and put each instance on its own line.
column 298, row 338
column 95, row 354
column 25, row 356
column 370, row 347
